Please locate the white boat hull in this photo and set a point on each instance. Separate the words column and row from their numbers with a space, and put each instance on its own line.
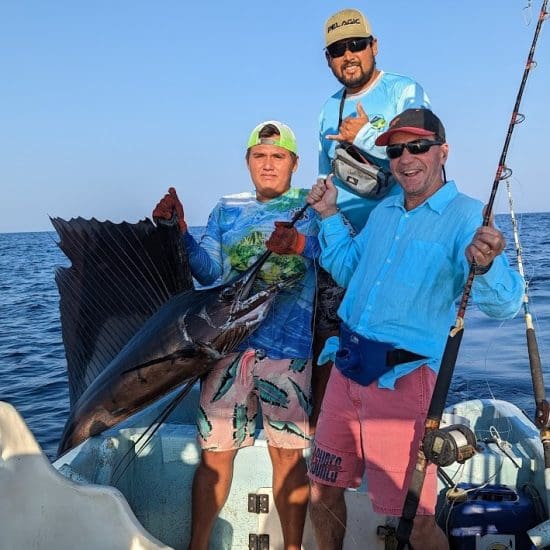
column 152, row 500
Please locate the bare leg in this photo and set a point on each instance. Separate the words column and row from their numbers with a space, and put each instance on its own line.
column 290, row 492
column 319, row 380
column 319, row 375
column 329, row 516
column 426, row 534
column 211, row 486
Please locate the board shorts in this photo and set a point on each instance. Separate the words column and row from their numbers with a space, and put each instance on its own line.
column 377, row 432
column 232, row 391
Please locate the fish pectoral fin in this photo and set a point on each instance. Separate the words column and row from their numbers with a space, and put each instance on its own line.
column 187, row 352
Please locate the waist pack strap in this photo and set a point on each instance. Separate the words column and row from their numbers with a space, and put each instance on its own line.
column 386, row 352
column 341, row 110
column 398, row 356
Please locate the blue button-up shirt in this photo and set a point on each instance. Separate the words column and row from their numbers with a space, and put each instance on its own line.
column 405, row 270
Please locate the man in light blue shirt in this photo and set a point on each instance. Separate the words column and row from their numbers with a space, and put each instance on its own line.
column 402, row 275
column 362, row 109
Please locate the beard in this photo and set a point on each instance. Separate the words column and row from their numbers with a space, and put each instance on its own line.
column 359, row 81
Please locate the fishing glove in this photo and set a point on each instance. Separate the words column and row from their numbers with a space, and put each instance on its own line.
column 168, row 206
column 286, row 239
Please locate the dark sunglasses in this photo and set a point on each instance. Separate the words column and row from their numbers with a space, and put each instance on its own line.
column 338, row 49
column 417, row 147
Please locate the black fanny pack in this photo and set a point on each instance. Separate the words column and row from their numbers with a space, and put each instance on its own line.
column 357, row 170
column 364, row 361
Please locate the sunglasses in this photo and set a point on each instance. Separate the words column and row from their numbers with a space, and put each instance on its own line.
column 417, row 147
column 338, row 49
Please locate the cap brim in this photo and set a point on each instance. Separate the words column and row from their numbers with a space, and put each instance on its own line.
column 350, row 37
column 384, row 138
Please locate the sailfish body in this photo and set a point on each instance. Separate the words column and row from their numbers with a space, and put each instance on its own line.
column 134, row 328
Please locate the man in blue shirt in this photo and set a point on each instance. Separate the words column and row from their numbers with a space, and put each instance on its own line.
column 402, row 274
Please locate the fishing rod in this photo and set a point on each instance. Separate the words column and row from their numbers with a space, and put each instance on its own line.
column 452, row 346
column 542, row 407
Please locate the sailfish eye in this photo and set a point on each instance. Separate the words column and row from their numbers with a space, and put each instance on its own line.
column 228, row 293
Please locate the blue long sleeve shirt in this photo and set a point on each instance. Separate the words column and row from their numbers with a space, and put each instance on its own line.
column 235, row 236
column 405, row 270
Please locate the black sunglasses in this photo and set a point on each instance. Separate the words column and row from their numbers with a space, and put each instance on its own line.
column 417, row 147
column 338, row 49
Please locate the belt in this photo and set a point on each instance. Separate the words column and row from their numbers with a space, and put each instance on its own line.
column 398, row 356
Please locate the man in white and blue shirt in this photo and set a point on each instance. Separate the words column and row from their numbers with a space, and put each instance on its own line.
column 271, row 369
column 362, row 109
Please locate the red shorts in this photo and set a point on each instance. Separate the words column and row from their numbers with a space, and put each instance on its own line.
column 375, row 431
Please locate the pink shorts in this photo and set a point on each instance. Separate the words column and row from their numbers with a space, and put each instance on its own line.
column 375, row 431
column 226, row 418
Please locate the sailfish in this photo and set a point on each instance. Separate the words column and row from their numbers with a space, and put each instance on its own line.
column 133, row 325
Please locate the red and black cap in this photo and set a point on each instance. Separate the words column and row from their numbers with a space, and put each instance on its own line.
column 421, row 122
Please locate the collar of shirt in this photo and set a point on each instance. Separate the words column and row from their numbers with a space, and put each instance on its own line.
column 437, row 202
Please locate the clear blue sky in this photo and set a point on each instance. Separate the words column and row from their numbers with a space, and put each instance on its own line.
column 105, row 104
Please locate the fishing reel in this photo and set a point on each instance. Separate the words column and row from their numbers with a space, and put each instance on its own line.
column 454, row 443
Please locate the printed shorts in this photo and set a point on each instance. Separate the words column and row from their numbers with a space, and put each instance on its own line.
column 375, row 431
column 229, row 399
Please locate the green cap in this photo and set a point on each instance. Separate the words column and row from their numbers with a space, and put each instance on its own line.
column 286, row 139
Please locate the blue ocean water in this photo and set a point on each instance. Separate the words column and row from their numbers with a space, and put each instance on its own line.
column 493, row 358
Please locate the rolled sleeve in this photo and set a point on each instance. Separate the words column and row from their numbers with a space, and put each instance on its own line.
column 499, row 292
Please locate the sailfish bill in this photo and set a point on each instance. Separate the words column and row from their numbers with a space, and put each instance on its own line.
column 134, row 327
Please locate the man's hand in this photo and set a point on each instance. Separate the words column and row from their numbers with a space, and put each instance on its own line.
column 487, row 244
column 350, row 126
column 322, row 197
column 286, row 239
column 168, row 206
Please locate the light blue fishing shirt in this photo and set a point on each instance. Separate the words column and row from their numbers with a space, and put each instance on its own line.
column 234, row 239
column 404, row 272
column 388, row 96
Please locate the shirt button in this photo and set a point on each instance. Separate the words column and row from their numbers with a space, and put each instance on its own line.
column 388, row 261
column 377, row 283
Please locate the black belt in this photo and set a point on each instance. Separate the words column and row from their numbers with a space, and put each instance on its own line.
column 398, row 356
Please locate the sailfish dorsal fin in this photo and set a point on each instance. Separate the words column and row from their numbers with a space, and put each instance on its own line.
column 120, row 274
